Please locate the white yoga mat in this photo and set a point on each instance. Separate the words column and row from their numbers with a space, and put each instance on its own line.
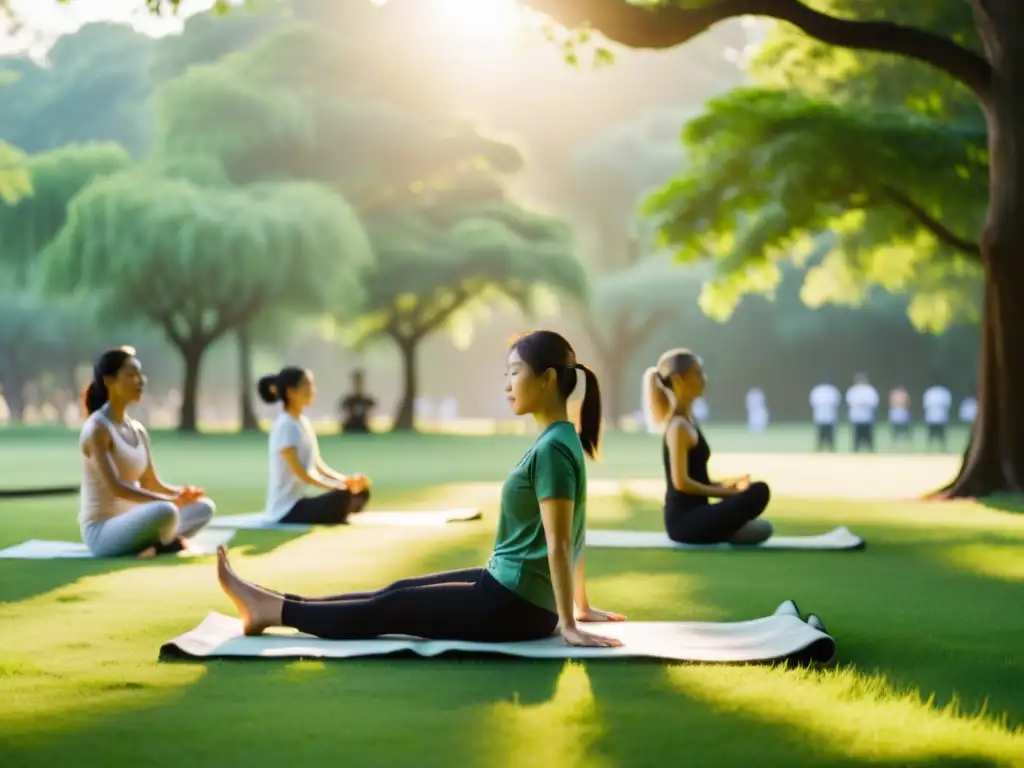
column 841, row 538
column 203, row 543
column 254, row 521
column 781, row 636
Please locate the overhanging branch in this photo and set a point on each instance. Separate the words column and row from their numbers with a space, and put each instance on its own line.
column 943, row 233
column 666, row 26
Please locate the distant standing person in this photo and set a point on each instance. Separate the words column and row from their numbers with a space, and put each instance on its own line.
column 862, row 401
column 938, row 401
column 757, row 410
column 899, row 415
column 357, row 407
column 825, row 402
column 126, row 509
column 969, row 410
column 701, row 411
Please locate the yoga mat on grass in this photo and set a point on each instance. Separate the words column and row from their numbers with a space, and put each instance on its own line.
column 783, row 636
column 203, row 543
column 840, row 538
column 410, row 519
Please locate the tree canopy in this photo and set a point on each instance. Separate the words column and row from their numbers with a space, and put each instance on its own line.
column 201, row 261
column 768, row 172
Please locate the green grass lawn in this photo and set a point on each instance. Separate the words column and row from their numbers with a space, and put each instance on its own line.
column 927, row 620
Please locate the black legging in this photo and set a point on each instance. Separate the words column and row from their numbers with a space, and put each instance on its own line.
column 715, row 523
column 458, row 605
column 331, row 508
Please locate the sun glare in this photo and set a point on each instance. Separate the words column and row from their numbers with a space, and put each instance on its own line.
column 483, row 21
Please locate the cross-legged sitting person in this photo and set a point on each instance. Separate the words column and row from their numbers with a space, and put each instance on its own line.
column 670, row 389
column 534, row 582
column 295, row 461
column 126, row 509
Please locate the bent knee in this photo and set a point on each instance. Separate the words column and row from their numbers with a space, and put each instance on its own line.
column 203, row 509
column 164, row 512
column 761, row 492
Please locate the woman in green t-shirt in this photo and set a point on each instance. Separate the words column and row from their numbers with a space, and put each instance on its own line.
column 534, row 581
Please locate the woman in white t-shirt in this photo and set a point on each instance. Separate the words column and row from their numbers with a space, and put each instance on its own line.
column 125, row 508
column 295, row 461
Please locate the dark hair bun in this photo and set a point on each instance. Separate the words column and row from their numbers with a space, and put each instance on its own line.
column 268, row 389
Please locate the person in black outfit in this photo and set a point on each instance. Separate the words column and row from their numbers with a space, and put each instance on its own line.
column 357, row 407
column 669, row 391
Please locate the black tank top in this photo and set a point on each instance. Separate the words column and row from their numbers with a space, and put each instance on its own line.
column 696, row 467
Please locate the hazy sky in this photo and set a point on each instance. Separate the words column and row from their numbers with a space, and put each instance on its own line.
column 44, row 20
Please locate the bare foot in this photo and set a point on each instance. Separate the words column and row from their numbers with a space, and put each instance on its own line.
column 257, row 609
column 147, row 553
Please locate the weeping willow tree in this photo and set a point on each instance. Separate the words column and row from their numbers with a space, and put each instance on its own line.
column 28, row 224
column 201, row 261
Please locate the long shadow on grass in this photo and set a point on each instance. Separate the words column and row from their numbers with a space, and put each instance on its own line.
column 663, row 719
column 892, row 608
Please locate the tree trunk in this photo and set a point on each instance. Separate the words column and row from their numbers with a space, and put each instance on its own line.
column 611, row 375
column 14, row 395
column 249, row 421
column 405, row 417
column 994, row 460
column 192, row 354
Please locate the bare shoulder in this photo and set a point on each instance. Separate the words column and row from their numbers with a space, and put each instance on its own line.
column 94, row 434
column 680, row 432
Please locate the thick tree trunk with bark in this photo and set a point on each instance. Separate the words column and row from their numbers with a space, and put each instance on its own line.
column 405, row 416
column 249, row 421
column 994, row 461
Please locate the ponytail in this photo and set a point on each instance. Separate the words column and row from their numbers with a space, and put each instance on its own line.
column 657, row 401
column 590, row 413
column 275, row 386
column 94, row 396
column 267, row 389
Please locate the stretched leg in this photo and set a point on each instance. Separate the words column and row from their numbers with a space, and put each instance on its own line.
column 193, row 517
column 716, row 523
column 148, row 525
column 330, row 508
column 482, row 611
column 466, row 576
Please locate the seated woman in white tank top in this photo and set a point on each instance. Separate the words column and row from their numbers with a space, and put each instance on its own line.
column 295, row 461
column 125, row 508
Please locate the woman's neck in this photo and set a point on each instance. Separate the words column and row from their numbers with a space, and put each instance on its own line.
column 552, row 415
column 116, row 411
column 684, row 408
column 293, row 411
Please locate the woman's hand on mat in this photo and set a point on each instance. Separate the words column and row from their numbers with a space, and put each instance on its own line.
column 595, row 615
column 576, row 636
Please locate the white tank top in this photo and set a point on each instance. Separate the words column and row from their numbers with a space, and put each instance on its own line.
column 97, row 502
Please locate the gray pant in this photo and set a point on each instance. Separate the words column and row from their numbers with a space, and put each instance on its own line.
column 157, row 522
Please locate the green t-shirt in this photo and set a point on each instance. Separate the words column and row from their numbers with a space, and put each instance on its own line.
column 553, row 468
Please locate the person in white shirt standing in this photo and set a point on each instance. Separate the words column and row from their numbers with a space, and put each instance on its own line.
column 295, row 461
column 757, row 410
column 825, row 401
column 862, row 401
column 969, row 410
column 937, row 401
column 899, row 415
